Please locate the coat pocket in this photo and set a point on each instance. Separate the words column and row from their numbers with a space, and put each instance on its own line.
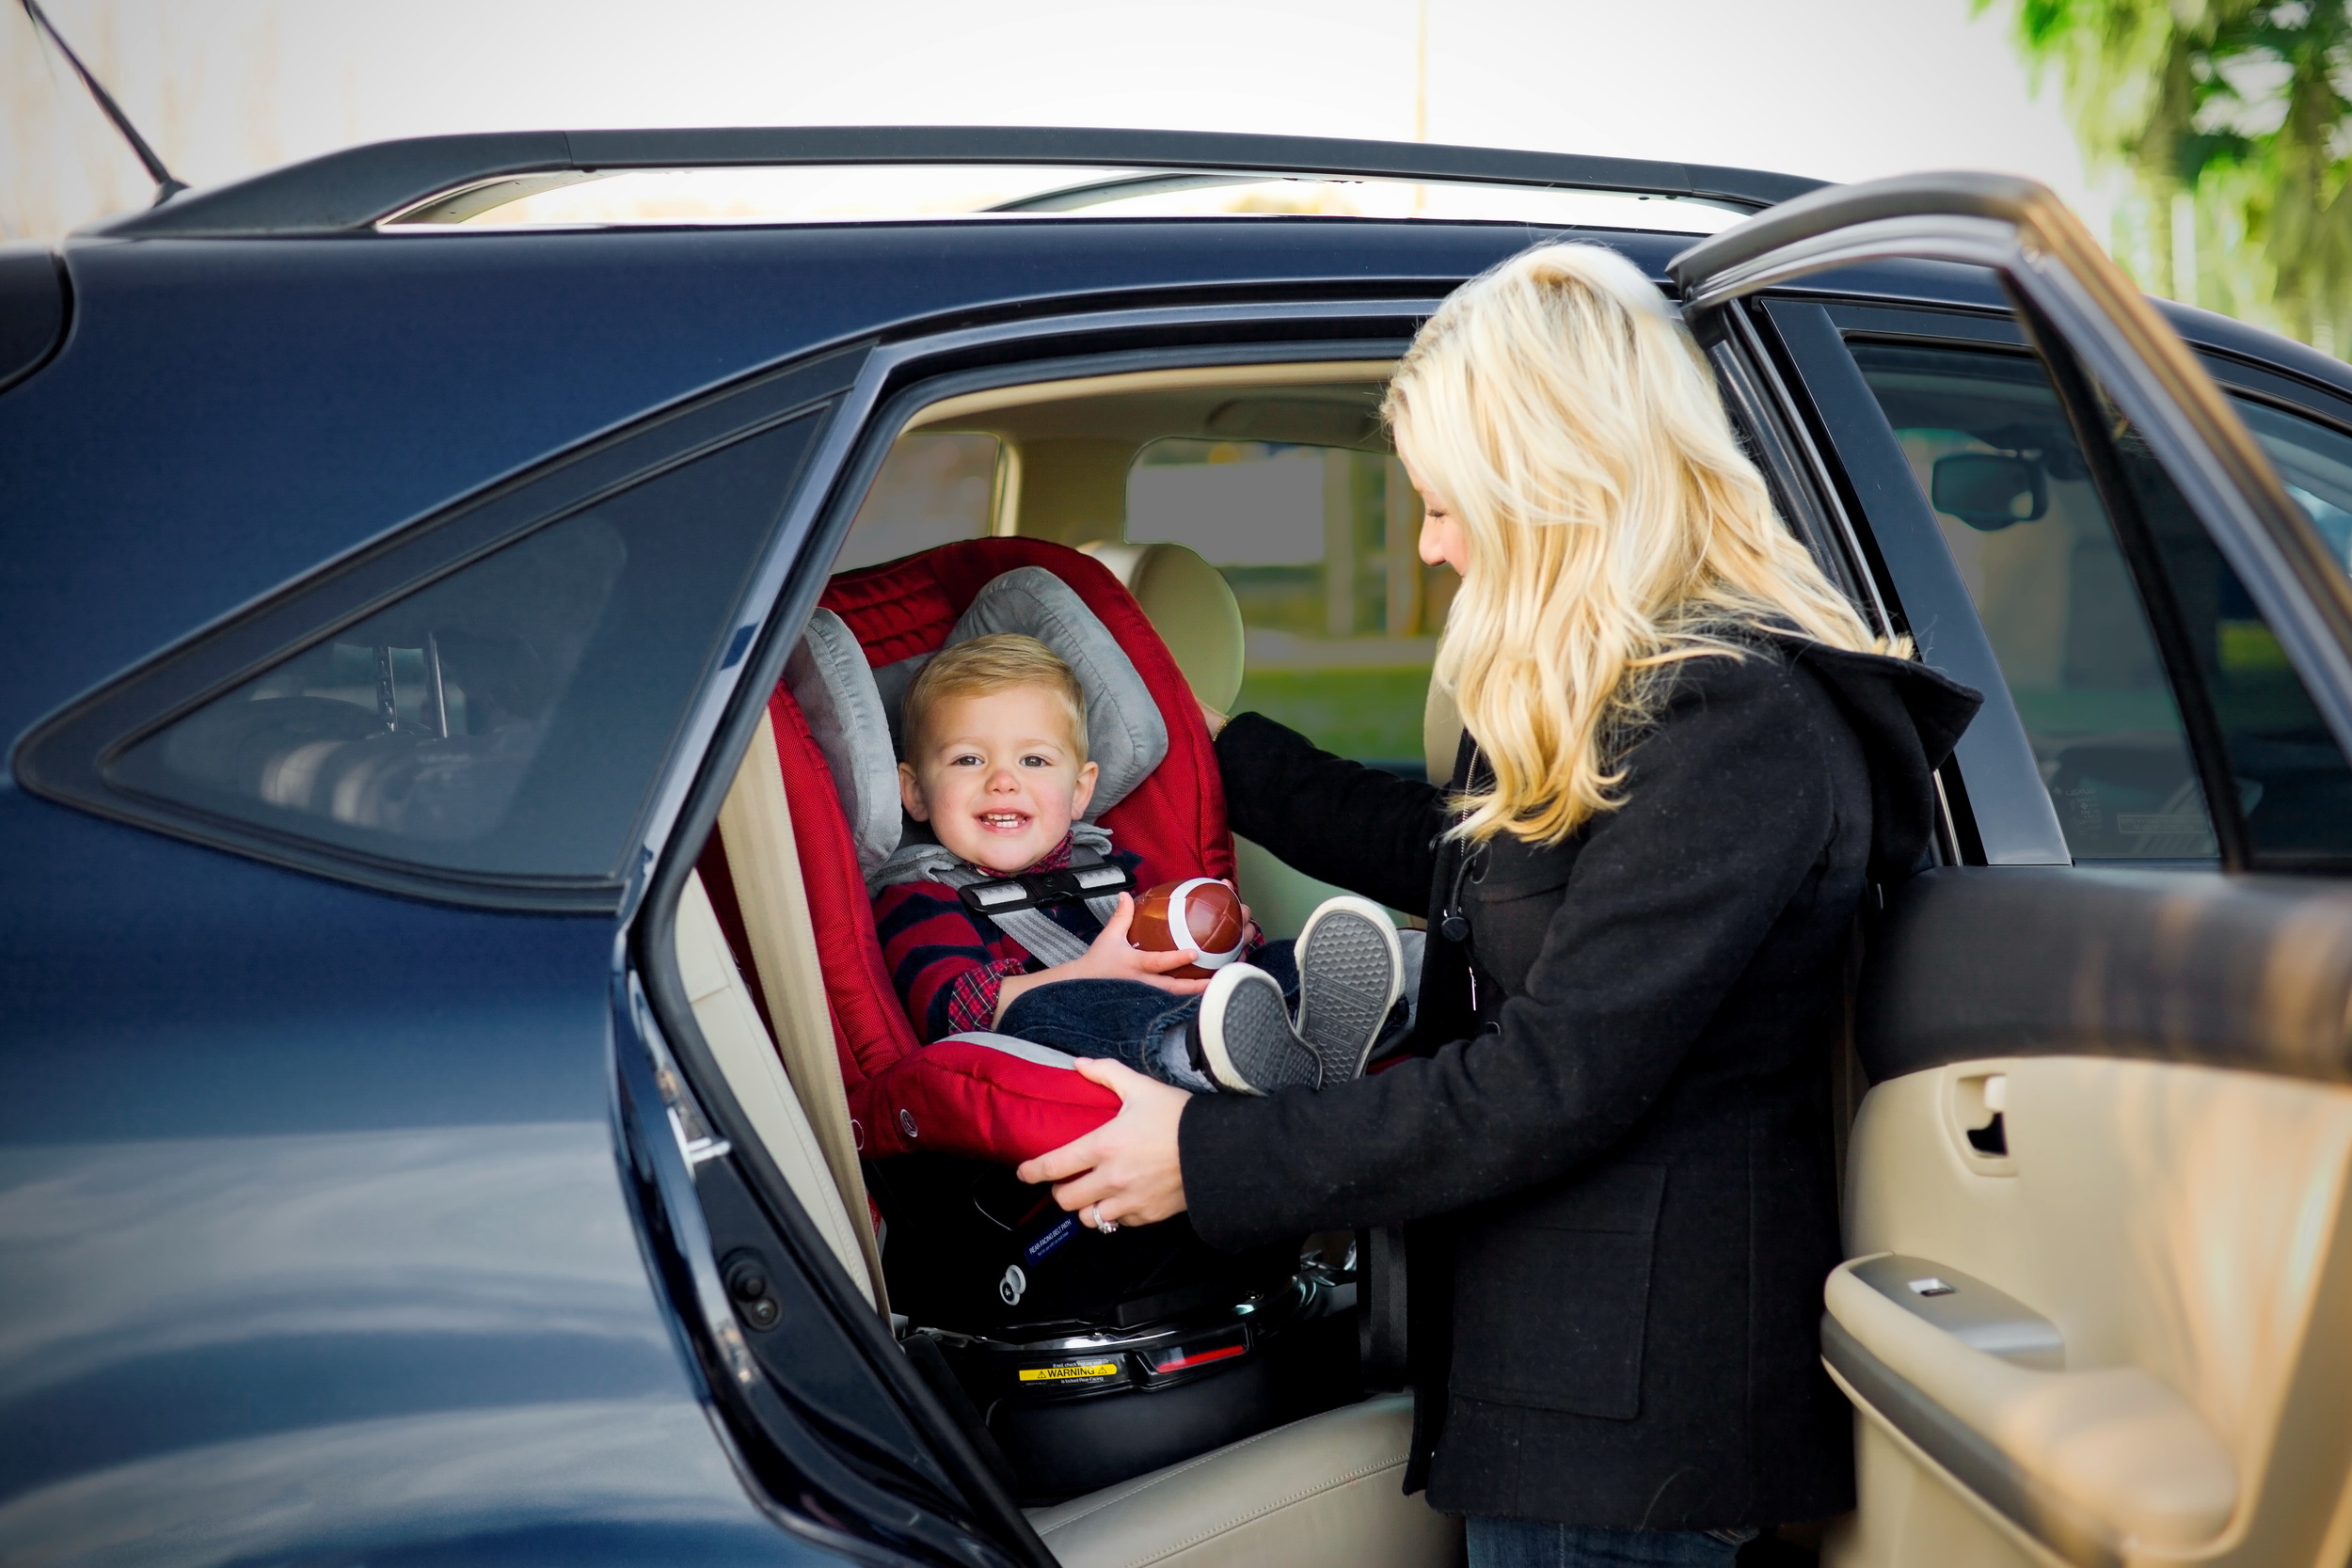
column 1552, row 1295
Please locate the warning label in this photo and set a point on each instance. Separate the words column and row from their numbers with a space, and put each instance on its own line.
column 1069, row 1370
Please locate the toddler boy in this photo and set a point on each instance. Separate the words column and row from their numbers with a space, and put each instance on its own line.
column 996, row 763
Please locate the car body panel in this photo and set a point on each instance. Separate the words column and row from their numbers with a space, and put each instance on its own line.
column 313, row 1226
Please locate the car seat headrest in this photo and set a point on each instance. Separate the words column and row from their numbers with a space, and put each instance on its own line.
column 829, row 679
column 1191, row 606
column 852, row 707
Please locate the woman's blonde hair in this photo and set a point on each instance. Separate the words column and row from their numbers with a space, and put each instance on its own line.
column 1616, row 527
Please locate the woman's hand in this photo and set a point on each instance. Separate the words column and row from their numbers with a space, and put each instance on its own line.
column 1110, row 957
column 1127, row 1171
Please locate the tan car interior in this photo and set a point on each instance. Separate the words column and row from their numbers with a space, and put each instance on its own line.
column 1323, row 1489
column 2180, row 1234
column 2183, row 1231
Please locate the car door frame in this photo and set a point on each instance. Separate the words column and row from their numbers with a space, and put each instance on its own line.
column 2012, row 960
column 2078, row 305
column 682, row 1124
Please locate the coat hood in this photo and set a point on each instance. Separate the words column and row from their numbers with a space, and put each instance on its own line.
column 1908, row 718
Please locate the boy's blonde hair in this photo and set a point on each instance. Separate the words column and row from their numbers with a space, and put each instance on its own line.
column 1616, row 527
column 985, row 666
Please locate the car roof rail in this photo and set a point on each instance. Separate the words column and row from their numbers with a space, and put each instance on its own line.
column 446, row 179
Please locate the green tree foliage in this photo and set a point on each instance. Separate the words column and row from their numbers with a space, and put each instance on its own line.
column 2231, row 120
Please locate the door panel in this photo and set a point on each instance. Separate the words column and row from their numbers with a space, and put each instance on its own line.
column 2185, row 1229
column 2099, row 1253
column 2165, row 1187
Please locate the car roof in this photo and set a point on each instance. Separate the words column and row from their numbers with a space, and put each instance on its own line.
column 357, row 188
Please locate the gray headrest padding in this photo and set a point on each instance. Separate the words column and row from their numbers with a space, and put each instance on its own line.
column 1126, row 734
column 829, row 678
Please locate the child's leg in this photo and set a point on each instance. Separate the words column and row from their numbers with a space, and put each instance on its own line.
column 1123, row 1020
column 1278, row 959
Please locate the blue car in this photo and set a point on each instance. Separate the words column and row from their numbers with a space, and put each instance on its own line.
column 431, row 1130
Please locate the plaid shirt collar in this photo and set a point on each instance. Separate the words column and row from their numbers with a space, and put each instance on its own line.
column 1056, row 859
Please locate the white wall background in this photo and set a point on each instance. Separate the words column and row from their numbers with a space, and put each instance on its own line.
column 1838, row 89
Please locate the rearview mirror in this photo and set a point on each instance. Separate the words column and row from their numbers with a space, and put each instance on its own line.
column 1990, row 490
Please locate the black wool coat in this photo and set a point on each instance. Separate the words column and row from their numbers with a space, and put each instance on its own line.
column 1612, row 1148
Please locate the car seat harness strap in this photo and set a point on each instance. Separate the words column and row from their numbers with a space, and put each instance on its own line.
column 1017, row 904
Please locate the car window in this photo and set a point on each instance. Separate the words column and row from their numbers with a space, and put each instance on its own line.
column 2315, row 462
column 2293, row 784
column 1989, row 445
column 934, row 488
column 1320, row 546
column 508, row 718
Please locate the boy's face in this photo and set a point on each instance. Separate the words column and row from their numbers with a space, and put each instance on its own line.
column 996, row 776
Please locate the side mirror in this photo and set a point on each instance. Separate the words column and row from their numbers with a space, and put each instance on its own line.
column 1990, row 490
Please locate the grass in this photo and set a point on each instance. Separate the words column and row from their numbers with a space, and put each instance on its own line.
column 1370, row 715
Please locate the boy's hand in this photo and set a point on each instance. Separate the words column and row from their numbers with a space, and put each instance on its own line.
column 1110, row 957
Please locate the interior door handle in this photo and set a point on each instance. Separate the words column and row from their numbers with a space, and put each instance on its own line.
column 2086, row 1460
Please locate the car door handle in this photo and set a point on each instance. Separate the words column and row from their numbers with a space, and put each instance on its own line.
column 2086, row 1460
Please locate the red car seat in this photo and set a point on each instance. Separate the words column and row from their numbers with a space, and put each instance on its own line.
column 959, row 1096
column 1188, row 1347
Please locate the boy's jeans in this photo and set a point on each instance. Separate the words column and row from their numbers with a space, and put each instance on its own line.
column 1123, row 1020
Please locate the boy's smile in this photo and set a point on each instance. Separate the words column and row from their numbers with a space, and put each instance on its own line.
column 997, row 776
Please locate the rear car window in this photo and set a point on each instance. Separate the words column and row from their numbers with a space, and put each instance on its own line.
column 934, row 488
column 1320, row 545
column 508, row 718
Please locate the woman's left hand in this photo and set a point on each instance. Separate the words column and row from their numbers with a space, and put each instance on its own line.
column 1127, row 1171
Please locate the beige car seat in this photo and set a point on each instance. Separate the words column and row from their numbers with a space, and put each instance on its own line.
column 1191, row 606
column 1323, row 1489
column 1193, row 609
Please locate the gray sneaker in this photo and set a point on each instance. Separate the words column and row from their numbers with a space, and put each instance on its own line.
column 1350, row 972
column 1245, row 1032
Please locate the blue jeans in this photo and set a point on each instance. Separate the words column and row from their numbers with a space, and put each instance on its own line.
column 1123, row 1020
column 1496, row 1543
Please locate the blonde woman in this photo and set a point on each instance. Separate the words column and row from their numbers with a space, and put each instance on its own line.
column 1685, row 758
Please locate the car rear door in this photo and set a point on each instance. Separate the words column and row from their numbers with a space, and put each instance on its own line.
column 2100, row 1261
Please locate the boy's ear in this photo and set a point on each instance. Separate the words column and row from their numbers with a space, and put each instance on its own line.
column 1085, row 790
column 911, row 793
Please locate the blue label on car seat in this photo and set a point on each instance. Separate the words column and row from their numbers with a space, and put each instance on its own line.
column 1036, row 1251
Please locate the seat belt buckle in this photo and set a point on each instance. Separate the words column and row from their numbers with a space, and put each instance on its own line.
column 1035, row 890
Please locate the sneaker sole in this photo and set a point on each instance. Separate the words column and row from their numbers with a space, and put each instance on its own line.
column 1245, row 1034
column 1350, row 971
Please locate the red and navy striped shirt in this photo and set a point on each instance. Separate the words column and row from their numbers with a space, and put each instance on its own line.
column 947, row 962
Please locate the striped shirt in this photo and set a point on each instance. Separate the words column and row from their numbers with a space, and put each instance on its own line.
column 947, row 962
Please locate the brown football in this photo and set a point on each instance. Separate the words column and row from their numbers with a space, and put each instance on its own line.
column 1209, row 913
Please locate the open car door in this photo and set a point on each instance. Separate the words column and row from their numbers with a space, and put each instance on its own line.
column 2098, row 1302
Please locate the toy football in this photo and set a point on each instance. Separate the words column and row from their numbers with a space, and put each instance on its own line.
column 1206, row 913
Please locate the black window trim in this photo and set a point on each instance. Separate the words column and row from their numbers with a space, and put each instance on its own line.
column 2003, row 805
column 1807, row 492
column 65, row 757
